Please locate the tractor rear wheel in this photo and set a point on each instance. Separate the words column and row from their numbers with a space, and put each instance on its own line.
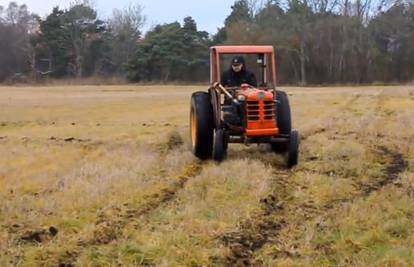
column 284, row 122
column 201, row 125
column 220, row 145
column 293, row 149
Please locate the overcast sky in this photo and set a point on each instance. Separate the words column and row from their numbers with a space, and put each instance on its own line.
column 209, row 14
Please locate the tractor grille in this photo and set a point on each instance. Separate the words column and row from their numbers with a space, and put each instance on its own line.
column 260, row 110
column 269, row 110
column 253, row 110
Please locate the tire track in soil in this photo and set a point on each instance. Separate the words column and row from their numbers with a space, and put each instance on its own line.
column 253, row 233
column 390, row 173
column 345, row 106
column 25, row 234
column 395, row 165
column 396, row 162
column 108, row 229
column 110, row 223
column 393, row 162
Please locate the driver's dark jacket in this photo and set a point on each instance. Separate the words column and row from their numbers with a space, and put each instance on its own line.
column 231, row 78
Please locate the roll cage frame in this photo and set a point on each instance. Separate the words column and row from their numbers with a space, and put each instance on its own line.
column 264, row 52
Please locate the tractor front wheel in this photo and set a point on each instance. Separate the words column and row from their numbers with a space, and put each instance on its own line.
column 293, row 149
column 283, row 119
column 201, row 125
column 283, row 113
column 220, row 145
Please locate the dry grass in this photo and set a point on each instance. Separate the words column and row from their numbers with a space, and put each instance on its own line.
column 102, row 176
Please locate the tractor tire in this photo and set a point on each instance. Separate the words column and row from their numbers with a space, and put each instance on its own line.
column 220, row 145
column 283, row 113
column 201, row 125
column 284, row 122
column 293, row 149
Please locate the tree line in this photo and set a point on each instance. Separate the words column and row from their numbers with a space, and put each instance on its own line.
column 316, row 42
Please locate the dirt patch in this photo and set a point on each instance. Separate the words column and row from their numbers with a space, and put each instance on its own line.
column 69, row 139
column 396, row 165
column 393, row 166
column 261, row 228
column 40, row 235
column 251, row 236
column 174, row 140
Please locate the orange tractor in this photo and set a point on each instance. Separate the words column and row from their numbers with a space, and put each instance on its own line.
column 245, row 113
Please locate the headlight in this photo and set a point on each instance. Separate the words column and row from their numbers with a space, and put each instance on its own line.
column 241, row 98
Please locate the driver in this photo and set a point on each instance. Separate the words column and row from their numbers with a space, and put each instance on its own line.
column 238, row 74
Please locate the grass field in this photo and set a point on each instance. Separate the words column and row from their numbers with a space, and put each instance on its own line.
column 103, row 176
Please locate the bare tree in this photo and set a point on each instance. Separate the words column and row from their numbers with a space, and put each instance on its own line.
column 126, row 26
column 15, row 30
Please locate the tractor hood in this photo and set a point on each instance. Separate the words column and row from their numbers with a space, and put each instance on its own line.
column 253, row 94
column 259, row 111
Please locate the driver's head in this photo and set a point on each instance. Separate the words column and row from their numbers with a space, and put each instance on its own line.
column 237, row 63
